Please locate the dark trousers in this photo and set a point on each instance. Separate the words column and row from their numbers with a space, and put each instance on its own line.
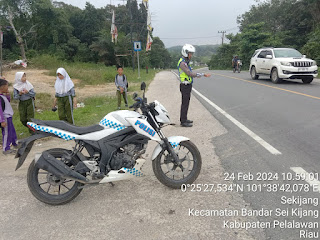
column 185, row 94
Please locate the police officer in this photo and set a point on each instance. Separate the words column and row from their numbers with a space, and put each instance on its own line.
column 186, row 80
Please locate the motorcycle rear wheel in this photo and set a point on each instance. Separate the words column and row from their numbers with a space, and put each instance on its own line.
column 50, row 189
column 174, row 175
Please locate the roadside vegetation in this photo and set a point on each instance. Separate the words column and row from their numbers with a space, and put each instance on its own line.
column 44, row 27
column 96, row 107
column 273, row 23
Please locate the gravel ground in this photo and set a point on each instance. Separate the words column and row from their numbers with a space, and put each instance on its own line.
column 136, row 209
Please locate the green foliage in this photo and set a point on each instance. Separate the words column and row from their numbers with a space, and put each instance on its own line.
column 159, row 55
column 95, row 107
column 89, row 73
column 73, row 34
column 312, row 47
column 273, row 23
column 104, row 48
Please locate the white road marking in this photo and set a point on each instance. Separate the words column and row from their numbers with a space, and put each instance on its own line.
column 262, row 142
column 307, row 177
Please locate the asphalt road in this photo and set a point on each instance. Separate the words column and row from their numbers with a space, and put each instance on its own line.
column 286, row 116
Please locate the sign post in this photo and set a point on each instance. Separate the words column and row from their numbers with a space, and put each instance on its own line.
column 137, row 48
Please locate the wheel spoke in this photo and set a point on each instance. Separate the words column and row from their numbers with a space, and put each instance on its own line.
column 184, row 158
column 181, row 167
column 49, row 188
column 42, row 172
column 66, row 187
column 59, row 190
column 42, row 183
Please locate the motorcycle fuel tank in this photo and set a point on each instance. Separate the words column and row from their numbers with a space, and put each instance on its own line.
column 117, row 119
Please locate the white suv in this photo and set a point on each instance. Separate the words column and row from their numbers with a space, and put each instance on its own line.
column 279, row 63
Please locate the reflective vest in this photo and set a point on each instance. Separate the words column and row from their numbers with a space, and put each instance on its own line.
column 183, row 75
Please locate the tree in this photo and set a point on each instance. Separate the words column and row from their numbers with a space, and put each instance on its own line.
column 159, row 55
column 104, row 48
column 12, row 11
column 75, row 34
column 312, row 47
column 273, row 23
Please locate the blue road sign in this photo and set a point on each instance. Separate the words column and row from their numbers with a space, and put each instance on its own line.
column 137, row 46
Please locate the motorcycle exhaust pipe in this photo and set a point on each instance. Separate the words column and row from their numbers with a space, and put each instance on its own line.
column 50, row 164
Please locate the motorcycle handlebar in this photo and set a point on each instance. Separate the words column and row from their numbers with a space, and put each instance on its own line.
column 141, row 102
column 137, row 104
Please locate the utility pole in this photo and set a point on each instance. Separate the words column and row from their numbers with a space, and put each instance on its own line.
column 222, row 37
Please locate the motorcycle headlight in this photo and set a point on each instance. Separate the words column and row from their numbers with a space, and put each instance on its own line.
column 286, row 64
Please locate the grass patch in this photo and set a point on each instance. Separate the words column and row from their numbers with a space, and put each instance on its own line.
column 89, row 73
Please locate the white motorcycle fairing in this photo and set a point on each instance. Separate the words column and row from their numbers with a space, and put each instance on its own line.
column 94, row 136
column 112, row 123
column 125, row 173
column 174, row 141
column 144, row 128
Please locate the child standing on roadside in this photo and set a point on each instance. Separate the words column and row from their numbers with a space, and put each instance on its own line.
column 24, row 92
column 65, row 95
column 122, row 86
column 9, row 135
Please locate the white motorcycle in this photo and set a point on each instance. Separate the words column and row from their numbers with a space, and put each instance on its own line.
column 114, row 150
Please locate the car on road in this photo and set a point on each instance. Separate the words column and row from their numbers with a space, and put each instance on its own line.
column 282, row 63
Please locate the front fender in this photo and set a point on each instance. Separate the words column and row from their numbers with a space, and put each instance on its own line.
column 174, row 140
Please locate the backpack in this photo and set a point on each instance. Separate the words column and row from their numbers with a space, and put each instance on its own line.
column 3, row 104
column 124, row 77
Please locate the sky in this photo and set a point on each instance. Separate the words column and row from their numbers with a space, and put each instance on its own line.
column 196, row 22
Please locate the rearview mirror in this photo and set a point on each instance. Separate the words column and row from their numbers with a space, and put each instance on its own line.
column 134, row 95
column 143, row 86
column 304, row 56
column 269, row 57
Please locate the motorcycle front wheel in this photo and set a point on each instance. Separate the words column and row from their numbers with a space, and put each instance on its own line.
column 174, row 174
column 51, row 189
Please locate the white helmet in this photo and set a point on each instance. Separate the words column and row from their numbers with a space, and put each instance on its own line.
column 187, row 48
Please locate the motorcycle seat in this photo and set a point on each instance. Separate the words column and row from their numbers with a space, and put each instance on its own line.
column 62, row 125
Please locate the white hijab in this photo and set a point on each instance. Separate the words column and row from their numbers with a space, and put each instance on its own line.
column 19, row 85
column 64, row 85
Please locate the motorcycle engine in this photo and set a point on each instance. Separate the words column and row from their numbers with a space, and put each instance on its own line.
column 126, row 156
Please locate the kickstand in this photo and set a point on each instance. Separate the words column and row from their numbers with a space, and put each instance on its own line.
column 112, row 184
